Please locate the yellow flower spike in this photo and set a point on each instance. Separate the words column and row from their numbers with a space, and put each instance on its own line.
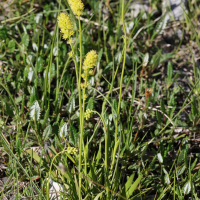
column 77, row 6
column 72, row 150
column 66, row 26
column 90, row 60
column 88, row 114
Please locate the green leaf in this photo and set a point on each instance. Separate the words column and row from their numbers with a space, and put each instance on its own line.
column 9, row 110
column 25, row 40
column 134, row 186
column 129, row 182
column 35, row 111
column 114, row 153
column 162, row 105
column 73, row 134
column 11, row 45
column 194, row 164
column 90, row 104
column 33, row 95
column 187, row 188
column 161, row 24
column 114, row 105
column 53, row 70
column 151, row 164
column 47, row 132
column 158, row 116
column 40, row 62
column 18, row 99
column 169, row 73
column 160, row 158
column 145, row 59
column 34, row 155
column 19, row 143
column 181, row 157
column 46, row 116
column 63, row 130
column 71, row 106
column 166, row 57
column 75, row 116
column 167, row 181
column 3, row 33
column 99, row 195
column 181, row 169
column 99, row 59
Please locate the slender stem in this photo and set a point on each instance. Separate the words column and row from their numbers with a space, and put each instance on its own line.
column 81, row 111
column 124, row 61
column 85, row 156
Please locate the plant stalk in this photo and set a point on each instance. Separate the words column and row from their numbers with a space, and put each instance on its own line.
column 122, row 75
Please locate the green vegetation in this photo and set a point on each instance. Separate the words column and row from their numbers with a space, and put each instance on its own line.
column 106, row 107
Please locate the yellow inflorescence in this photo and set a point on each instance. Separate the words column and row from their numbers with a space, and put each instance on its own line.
column 65, row 25
column 89, row 62
column 88, row 114
column 72, row 150
column 84, row 85
column 70, row 41
column 77, row 6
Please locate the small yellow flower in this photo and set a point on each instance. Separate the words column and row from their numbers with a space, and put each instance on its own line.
column 77, row 6
column 90, row 60
column 82, row 85
column 70, row 41
column 70, row 54
column 83, row 76
column 91, row 72
column 85, row 85
column 88, row 114
column 85, row 96
column 65, row 25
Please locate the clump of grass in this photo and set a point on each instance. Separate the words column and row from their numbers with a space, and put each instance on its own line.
column 92, row 99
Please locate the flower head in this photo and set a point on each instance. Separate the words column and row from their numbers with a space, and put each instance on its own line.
column 85, row 85
column 70, row 41
column 70, row 54
column 77, row 6
column 90, row 60
column 72, row 150
column 88, row 114
column 65, row 25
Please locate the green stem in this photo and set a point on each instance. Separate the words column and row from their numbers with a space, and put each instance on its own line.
column 81, row 111
column 57, row 63
column 124, row 61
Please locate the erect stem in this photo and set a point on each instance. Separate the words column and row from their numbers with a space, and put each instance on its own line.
column 122, row 75
column 81, row 111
